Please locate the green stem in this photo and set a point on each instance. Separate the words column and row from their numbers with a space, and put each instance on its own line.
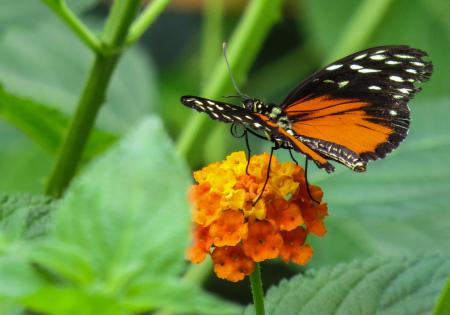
column 257, row 290
column 442, row 306
column 246, row 41
column 211, row 36
column 142, row 23
column 70, row 18
column 360, row 28
column 93, row 95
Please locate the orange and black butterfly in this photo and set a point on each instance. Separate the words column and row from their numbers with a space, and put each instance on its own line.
column 352, row 111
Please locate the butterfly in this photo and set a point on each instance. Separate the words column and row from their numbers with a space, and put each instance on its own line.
column 352, row 111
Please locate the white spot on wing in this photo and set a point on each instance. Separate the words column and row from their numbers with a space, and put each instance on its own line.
column 418, row 63
column 411, row 71
column 368, row 70
column 378, row 57
column 333, row 67
column 401, row 56
column 198, row 102
column 356, row 67
column 328, row 81
column 374, row 87
column 404, row 90
column 396, row 78
column 380, row 51
column 215, row 115
column 393, row 112
column 257, row 125
column 342, row 84
column 360, row 57
column 210, row 102
column 398, row 96
column 393, row 62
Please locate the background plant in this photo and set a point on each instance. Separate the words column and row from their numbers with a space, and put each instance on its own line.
column 83, row 104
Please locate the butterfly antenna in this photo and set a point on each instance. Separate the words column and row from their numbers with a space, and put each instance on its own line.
column 224, row 46
column 307, row 182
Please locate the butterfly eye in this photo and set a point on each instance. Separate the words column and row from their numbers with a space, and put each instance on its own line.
column 248, row 104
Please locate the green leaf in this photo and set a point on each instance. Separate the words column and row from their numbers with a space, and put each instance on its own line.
column 72, row 301
column 382, row 286
column 23, row 164
column 130, row 206
column 17, row 278
column 175, row 297
column 46, row 125
column 24, row 215
column 122, row 229
column 400, row 205
column 40, row 68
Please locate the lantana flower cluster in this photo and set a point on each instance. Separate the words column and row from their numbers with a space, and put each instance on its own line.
column 236, row 231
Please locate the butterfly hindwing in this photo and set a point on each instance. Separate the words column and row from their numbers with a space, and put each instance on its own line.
column 359, row 103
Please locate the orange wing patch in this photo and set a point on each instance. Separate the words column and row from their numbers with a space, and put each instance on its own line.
column 340, row 121
column 318, row 159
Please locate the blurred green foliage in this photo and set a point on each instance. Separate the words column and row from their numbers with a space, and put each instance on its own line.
column 116, row 241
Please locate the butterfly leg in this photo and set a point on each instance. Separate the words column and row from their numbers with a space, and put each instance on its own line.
column 267, row 176
column 307, row 182
column 292, row 156
column 249, row 152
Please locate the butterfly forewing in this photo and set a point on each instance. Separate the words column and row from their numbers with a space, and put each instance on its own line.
column 359, row 102
column 225, row 112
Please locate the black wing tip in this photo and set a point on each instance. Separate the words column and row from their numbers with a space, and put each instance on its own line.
column 185, row 99
column 383, row 149
column 329, row 168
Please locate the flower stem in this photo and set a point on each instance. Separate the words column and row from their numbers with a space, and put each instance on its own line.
column 93, row 95
column 257, row 290
column 442, row 306
column 70, row 18
column 151, row 12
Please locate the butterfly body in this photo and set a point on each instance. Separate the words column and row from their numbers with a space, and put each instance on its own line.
column 352, row 111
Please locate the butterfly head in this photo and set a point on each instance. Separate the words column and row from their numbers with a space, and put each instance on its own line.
column 250, row 104
column 257, row 106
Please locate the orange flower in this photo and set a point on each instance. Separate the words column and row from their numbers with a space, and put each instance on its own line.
column 293, row 246
column 231, row 263
column 236, row 231
column 229, row 229
column 285, row 215
column 263, row 241
column 202, row 243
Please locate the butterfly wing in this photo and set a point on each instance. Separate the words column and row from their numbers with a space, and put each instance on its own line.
column 355, row 109
column 225, row 112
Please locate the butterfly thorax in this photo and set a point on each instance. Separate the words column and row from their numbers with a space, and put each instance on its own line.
column 271, row 111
